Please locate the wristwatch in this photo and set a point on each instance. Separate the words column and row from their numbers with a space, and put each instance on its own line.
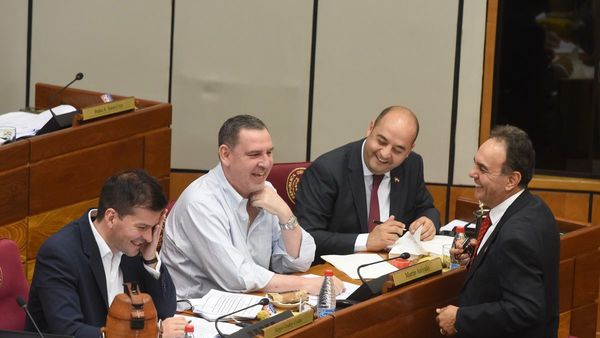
column 291, row 223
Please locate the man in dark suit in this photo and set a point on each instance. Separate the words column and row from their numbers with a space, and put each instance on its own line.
column 81, row 268
column 362, row 196
column 511, row 288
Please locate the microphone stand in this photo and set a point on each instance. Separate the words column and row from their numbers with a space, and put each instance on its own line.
column 404, row 255
column 78, row 77
column 262, row 302
column 23, row 305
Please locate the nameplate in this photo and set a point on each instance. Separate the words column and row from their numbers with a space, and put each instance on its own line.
column 109, row 108
column 290, row 324
column 417, row 271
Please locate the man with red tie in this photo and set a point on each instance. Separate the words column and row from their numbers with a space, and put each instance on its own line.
column 362, row 196
column 511, row 288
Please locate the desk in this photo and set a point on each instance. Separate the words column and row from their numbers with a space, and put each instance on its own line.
column 49, row 180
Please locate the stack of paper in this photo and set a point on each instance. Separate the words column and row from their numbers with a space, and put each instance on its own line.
column 413, row 244
column 28, row 124
column 218, row 303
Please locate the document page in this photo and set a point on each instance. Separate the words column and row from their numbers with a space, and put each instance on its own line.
column 218, row 303
column 348, row 264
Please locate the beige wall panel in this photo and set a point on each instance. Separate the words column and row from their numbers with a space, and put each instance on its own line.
column 469, row 93
column 374, row 54
column 122, row 47
column 13, row 39
column 240, row 57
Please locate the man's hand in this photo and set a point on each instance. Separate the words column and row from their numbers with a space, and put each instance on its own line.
column 427, row 230
column 173, row 327
column 385, row 234
column 269, row 200
column 446, row 319
column 149, row 250
column 460, row 254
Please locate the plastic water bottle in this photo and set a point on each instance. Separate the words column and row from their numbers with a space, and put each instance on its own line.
column 326, row 303
column 188, row 330
column 459, row 240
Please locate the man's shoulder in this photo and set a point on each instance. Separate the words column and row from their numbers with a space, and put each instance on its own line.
column 339, row 155
column 64, row 240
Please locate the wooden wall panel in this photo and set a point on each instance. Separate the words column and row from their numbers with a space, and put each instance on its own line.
column 585, row 289
column 455, row 192
column 14, row 155
column 14, row 204
column 17, row 232
column 81, row 174
column 180, row 181
column 43, row 225
column 157, row 154
column 438, row 192
column 573, row 206
column 564, row 324
column 583, row 324
column 596, row 209
column 566, row 275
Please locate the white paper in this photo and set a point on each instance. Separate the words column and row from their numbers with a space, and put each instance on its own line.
column 413, row 244
column 28, row 124
column 348, row 264
column 218, row 303
column 205, row 329
column 454, row 223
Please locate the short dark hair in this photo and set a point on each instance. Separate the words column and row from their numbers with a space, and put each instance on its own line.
column 390, row 108
column 520, row 155
column 131, row 189
column 230, row 130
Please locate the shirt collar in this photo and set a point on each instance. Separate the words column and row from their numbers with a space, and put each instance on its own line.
column 231, row 195
column 497, row 212
column 366, row 171
column 105, row 250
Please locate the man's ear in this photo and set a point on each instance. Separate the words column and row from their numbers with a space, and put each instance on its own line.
column 110, row 216
column 514, row 179
column 371, row 126
column 224, row 154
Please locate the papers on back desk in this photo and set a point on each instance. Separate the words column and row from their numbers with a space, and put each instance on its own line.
column 218, row 303
column 28, row 124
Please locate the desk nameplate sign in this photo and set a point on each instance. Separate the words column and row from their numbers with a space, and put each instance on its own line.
column 417, row 271
column 289, row 324
column 106, row 109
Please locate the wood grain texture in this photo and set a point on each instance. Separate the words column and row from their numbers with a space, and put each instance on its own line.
column 463, row 194
column 596, row 209
column 157, row 153
column 566, row 277
column 14, row 155
column 573, row 206
column 583, row 321
column 585, row 289
column 438, row 192
column 44, row 225
column 564, row 324
column 180, row 181
column 489, row 53
column 320, row 328
column 64, row 180
column 14, row 194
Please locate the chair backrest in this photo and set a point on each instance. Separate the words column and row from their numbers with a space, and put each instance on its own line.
column 13, row 283
column 285, row 178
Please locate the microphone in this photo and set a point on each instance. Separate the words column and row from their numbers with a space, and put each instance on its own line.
column 404, row 255
column 78, row 77
column 23, row 305
column 262, row 302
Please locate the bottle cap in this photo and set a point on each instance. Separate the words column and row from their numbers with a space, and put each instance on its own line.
column 189, row 327
column 459, row 230
column 328, row 273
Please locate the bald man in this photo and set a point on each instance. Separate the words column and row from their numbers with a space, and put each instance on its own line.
column 364, row 195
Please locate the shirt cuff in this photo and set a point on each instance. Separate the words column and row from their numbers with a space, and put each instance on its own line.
column 361, row 242
column 156, row 271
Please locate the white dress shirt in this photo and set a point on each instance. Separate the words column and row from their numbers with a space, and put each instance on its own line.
column 208, row 243
column 111, row 263
column 496, row 214
column 383, row 193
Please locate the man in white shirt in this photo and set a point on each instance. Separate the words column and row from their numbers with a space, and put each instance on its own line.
column 81, row 268
column 230, row 230
column 511, row 289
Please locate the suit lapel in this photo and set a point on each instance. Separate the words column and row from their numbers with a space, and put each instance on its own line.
column 90, row 249
column 357, row 184
column 517, row 205
column 397, row 194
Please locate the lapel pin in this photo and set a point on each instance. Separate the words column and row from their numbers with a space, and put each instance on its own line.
column 396, row 179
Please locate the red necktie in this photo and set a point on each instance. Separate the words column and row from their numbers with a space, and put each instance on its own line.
column 485, row 225
column 374, row 205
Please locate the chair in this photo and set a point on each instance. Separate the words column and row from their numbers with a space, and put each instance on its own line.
column 285, row 178
column 12, row 284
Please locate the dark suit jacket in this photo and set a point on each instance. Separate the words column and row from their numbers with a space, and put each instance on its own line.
column 512, row 285
column 331, row 199
column 68, row 292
